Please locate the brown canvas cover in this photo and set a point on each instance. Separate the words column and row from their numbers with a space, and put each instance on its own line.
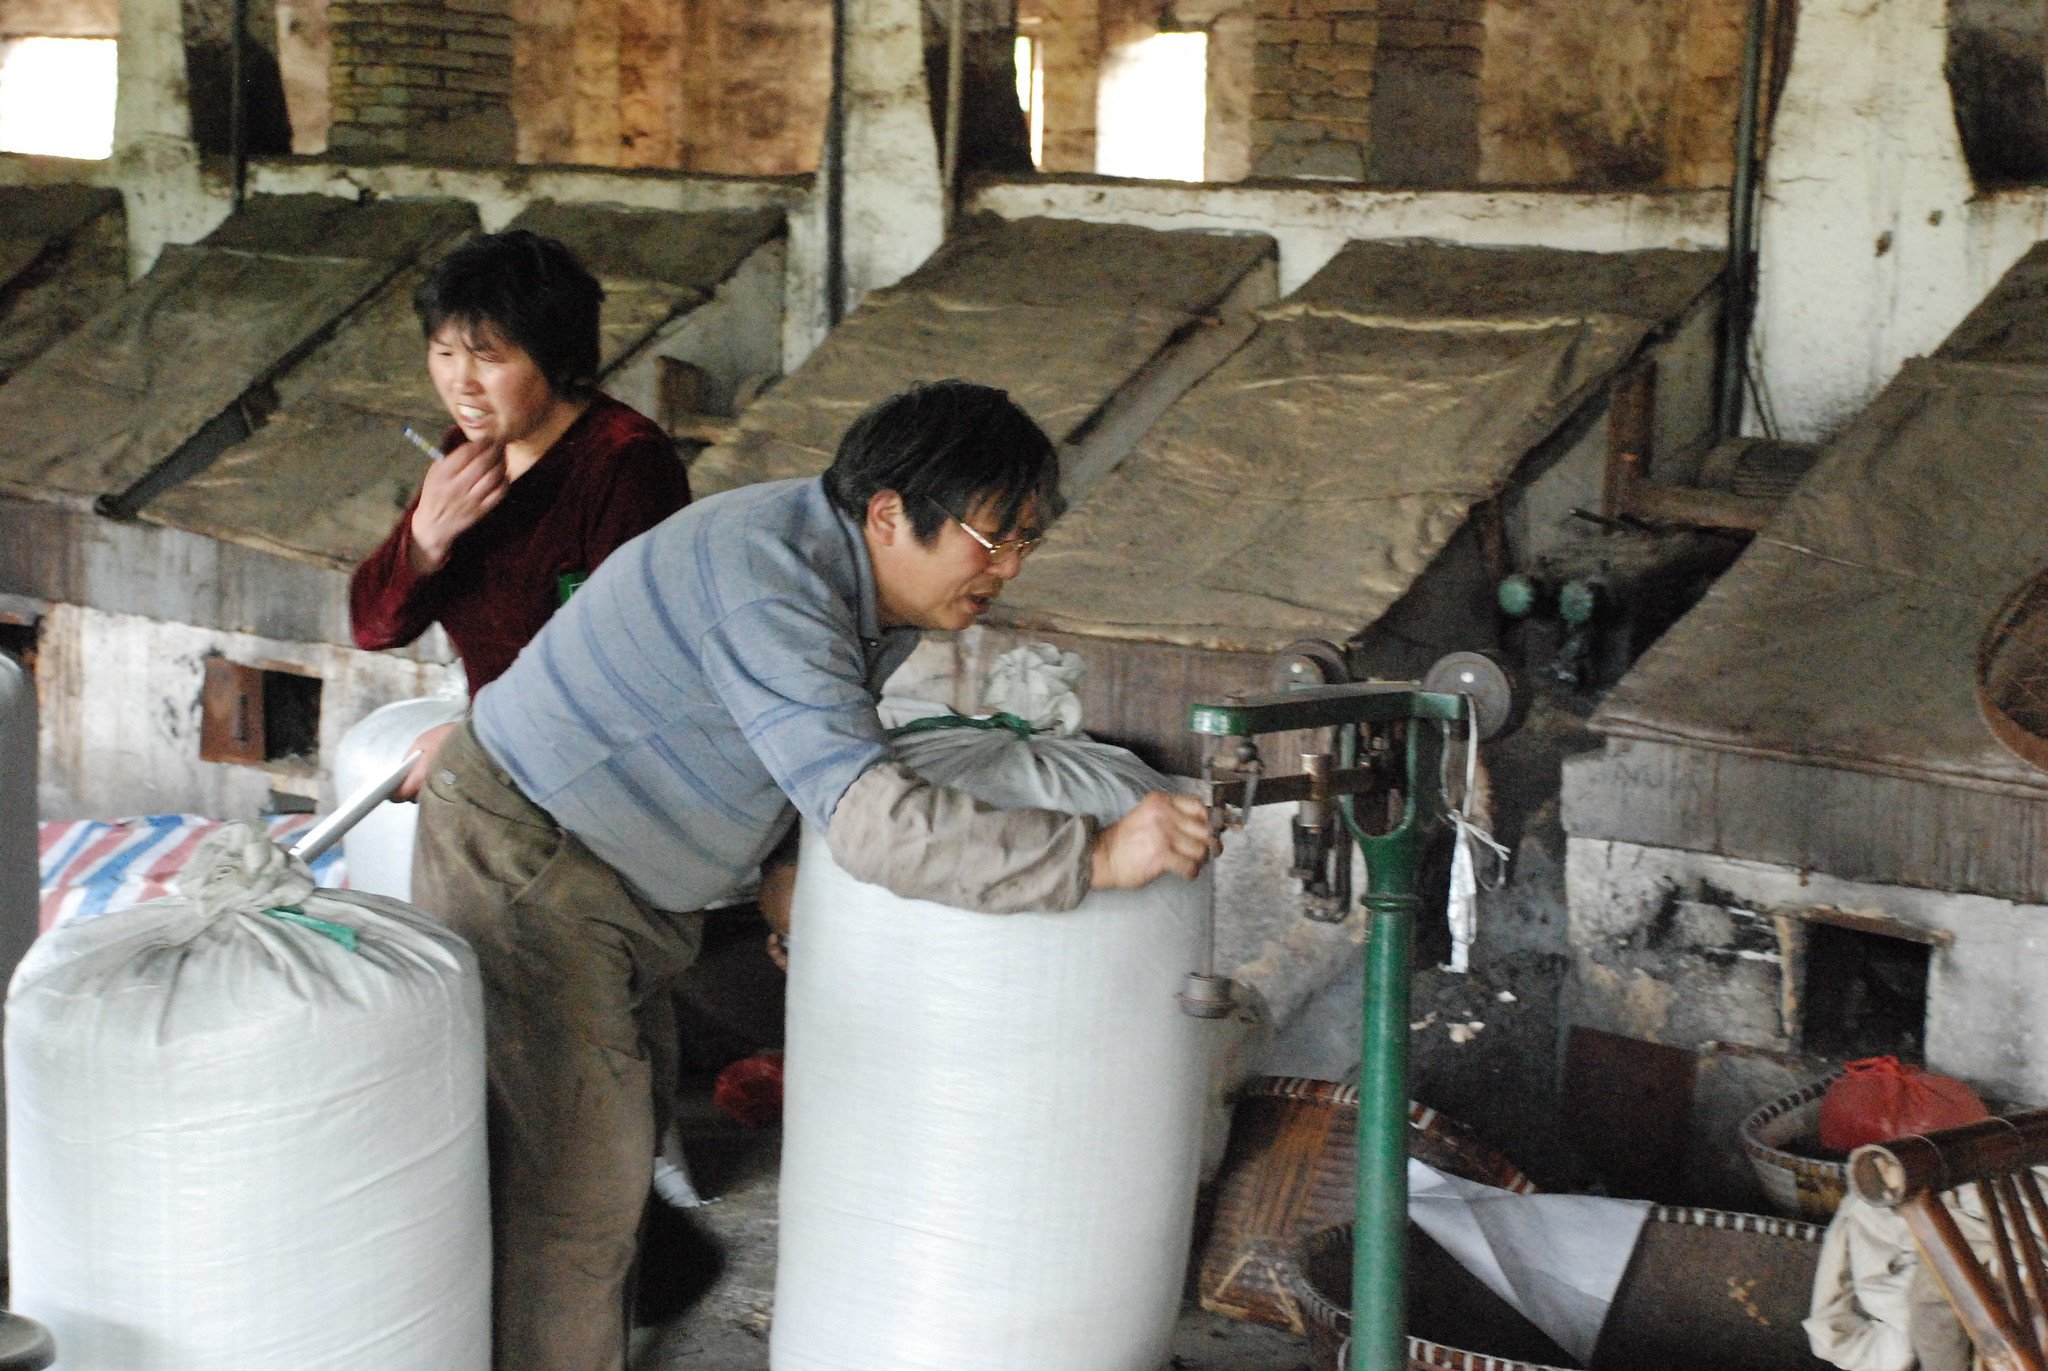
column 1301, row 488
column 103, row 407
column 63, row 258
column 324, row 479
column 1059, row 313
column 1846, row 636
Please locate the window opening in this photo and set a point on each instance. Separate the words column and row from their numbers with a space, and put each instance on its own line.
column 1152, row 107
column 57, row 96
column 1031, row 93
column 1866, row 994
column 20, row 641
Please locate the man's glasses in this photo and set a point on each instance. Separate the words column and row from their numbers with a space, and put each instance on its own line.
column 1023, row 547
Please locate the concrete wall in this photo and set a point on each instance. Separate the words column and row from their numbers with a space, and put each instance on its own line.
column 1312, row 222
column 1685, row 948
column 1611, row 93
column 1875, row 241
column 119, row 695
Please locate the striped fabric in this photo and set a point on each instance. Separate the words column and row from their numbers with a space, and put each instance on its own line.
column 89, row 866
column 712, row 674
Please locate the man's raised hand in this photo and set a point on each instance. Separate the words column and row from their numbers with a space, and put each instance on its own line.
column 1164, row 833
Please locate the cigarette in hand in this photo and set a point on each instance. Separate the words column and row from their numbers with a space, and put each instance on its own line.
column 412, row 435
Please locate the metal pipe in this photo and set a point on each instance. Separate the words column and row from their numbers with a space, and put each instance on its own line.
column 1379, row 1254
column 1736, row 288
column 956, row 68
column 238, row 111
column 835, row 174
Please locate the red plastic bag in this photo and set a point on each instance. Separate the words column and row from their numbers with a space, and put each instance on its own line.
column 1881, row 1098
column 750, row 1090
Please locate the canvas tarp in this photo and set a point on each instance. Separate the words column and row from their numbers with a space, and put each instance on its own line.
column 1059, row 313
column 36, row 219
column 1846, row 636
column 110, row 402
column 62, row 258
column 1302, row 487
column 323, row 480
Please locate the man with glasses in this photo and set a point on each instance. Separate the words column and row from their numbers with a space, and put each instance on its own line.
column 716, row 678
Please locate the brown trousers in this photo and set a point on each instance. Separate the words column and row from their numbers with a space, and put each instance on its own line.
column 580, row 1038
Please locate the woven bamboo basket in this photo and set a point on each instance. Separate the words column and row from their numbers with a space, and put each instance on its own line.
column 1290, row 1170
column 1799, row 1185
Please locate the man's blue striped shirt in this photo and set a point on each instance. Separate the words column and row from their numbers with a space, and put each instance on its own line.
column 712, row 671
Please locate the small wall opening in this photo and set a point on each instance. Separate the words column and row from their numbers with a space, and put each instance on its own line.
column 20, row 641
column 57, row 96
column 1865, row 994
column 257, row 716
column 1151, row 108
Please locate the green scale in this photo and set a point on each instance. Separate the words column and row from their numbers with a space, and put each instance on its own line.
column 1381, row 788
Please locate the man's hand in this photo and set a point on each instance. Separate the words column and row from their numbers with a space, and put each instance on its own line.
column 1164, row 833
column 459, row 490
column 427, row 747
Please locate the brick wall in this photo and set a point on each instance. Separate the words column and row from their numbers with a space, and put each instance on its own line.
column 1312, row 84
column 422, row 78
column 1425, row 94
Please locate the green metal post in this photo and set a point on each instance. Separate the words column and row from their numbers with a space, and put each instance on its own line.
column 1379, row 1331
column 1379, row 1238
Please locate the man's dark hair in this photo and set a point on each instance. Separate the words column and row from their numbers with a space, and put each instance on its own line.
column 947, row 447
column 528, row 289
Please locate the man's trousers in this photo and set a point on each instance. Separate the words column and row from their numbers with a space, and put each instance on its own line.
column 580, row 1033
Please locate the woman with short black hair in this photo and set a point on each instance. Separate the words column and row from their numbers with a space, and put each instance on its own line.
column 544, row 475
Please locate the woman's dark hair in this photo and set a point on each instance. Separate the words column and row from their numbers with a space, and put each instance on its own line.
column 947, row 447
column 528, row 289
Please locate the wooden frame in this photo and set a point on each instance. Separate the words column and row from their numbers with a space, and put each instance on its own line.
column 2003, row 1303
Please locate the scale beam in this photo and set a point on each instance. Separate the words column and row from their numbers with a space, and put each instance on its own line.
column 1285, row 711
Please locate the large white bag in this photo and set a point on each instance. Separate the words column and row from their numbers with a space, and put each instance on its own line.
column 19, row 888
column 378, row 850
column 248, row 1131
column 992, row 1122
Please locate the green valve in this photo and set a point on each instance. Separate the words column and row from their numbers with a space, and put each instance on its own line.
column 1577, row 601
column 1517, row 596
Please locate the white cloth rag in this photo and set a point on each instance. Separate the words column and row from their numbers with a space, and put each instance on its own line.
column 1875, row 1305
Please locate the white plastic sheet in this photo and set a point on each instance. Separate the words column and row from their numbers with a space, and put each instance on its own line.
column 378, row 850
column 992, row 1123
column 238, row 1142
column 1556, row 1258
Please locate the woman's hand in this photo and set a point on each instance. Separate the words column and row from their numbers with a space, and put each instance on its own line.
column 459, row 490
column 426, row 748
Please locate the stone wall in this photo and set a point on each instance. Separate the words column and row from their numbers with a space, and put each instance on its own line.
column 1312, row 86
column 422, row 78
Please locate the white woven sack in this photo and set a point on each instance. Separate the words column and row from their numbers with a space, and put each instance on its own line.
column 378, row 850
column 239, row 1145
column 20, row 895
column 992, row 1122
